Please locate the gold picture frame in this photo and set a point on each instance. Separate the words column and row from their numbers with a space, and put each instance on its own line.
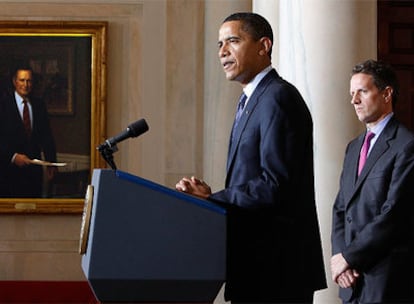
column 77, row 49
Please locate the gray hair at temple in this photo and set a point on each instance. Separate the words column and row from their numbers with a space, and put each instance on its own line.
column 253, row 24
column 383, row 75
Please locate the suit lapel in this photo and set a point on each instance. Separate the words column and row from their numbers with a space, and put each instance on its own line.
column 381, row 146
column 15, row 114
column 355, row 157
column 351, row 168
column 240, row 128
column 251, row 105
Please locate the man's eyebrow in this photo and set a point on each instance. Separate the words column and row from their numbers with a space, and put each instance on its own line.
column 228, row 38
column 233, row 37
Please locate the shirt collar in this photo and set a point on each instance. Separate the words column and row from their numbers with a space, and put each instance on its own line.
column 19, row 99
column 251, row 86
column 379, row 127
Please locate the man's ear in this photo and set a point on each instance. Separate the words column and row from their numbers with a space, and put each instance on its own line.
column 387, row 94
column 266, row 45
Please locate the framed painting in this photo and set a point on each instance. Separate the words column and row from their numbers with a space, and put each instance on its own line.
column 67, row 61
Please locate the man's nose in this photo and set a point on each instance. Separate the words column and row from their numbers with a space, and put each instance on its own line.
column 222, row 51
column 355, row 99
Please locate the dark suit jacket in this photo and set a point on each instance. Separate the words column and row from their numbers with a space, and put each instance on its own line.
column 373, row 217
column 15, row 181
column 274, row 247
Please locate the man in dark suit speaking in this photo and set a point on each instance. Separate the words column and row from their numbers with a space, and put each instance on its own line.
column 373, row 215
column 274, row 247
column 24, row 135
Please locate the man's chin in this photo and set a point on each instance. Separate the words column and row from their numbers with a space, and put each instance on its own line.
column 361, row 118
column 230, row 76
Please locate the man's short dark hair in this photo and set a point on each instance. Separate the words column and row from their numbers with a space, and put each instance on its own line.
column 382, row 73
column 253, row 24
column 19, row 67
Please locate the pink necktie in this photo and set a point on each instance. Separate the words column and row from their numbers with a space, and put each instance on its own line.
column 364, row 151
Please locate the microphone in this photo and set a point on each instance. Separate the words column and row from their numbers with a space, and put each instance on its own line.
column 133, row 130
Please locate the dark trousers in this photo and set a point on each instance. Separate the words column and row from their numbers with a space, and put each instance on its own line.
column 357, row 302
column 305, row 298
column 308, row 302
column 303, row 301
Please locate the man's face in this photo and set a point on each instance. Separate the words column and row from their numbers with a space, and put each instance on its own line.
column 371, row 104
column 238, row 52
column 23, row 82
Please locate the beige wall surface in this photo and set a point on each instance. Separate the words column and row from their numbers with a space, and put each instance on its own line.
column 162, row 66
column 155, row 71
column 45, row 247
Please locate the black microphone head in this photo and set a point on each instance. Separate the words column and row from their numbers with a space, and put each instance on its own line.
column 137, row 128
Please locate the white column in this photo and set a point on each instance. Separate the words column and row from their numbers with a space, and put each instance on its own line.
column 153, row 75
column 319, row 43
column 270, row 10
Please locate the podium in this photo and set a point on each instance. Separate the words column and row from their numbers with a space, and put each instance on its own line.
column 143, row 242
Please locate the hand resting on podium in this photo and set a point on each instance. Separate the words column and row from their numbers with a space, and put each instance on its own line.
column 194, row 186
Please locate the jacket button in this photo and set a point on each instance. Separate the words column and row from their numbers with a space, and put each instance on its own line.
column 349, row 219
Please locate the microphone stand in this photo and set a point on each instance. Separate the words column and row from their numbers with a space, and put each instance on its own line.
column 106, row 152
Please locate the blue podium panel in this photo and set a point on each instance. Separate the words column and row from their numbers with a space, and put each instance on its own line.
column 149, row 243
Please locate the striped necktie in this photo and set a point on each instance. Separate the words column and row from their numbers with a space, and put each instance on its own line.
column 240, row 107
